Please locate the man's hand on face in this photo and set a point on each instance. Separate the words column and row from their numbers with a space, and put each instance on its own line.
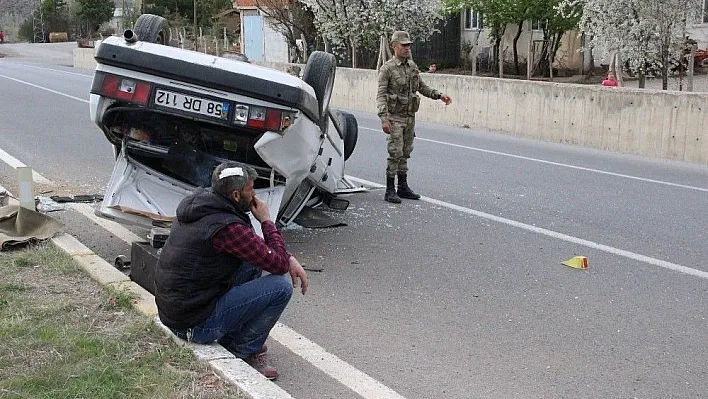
column 386, row 127
column 260, row 210
column 297, row 272
column 446, row 99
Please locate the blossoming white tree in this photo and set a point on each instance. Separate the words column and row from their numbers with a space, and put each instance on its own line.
column 650, row 35
column 353, row 24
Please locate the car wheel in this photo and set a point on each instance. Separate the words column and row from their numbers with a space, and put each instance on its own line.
column 152, row 28
column 351, row 134
column 348, row 129
column 319, row 73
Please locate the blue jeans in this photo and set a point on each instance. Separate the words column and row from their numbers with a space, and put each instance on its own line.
column 244, row 316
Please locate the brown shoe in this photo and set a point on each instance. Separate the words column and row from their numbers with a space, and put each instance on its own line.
column 258, row 363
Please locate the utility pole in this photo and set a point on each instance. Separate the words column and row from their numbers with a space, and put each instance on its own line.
column 38, row 23
column 195, row 25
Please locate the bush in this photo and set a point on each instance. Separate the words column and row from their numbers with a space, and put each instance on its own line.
column 26, row 31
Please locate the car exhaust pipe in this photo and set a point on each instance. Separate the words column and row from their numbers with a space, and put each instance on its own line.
column 130, row 36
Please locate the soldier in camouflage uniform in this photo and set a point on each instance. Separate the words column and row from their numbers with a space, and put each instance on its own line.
column 397, row 103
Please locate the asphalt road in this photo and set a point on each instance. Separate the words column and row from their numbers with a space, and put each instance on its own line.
column 462, row 295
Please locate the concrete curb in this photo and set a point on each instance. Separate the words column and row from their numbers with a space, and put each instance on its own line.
column 247, row 380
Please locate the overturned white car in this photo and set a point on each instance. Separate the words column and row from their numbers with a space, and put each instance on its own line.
column 172, row 115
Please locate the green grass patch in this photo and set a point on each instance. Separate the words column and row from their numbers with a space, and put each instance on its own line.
column 65, row 336
column 116, row 300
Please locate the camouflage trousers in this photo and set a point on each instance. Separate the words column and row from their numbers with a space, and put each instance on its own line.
column 400, row 144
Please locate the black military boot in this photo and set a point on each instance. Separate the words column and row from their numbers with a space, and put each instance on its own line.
column 391, row 195
column 403, row 190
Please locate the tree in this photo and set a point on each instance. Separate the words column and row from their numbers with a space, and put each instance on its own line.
column 95, row 12
column 650, row 35
column 559, row 18
column 293, row 20
column 183, row 8
column 206, row 9
column 56, row 16
column 351, row 24
column 498, row 14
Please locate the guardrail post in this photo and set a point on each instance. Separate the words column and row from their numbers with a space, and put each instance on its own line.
column 26, row 187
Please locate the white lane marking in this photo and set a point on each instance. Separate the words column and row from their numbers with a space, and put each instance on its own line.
column 112, row 227
column 352, row 378
column 16, row 163
column 556, row 235
column 464, row 147
column 556, row 163
column 44, row 88
column 335, row 367
column 461, row 146
column 86, row 75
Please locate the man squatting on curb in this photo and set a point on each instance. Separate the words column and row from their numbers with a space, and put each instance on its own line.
column 397, row 103
column 208, row 282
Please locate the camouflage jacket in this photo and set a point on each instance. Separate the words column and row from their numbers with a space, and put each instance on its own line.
column 399, row 82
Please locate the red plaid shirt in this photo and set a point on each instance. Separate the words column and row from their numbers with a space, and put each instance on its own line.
column 242, row 242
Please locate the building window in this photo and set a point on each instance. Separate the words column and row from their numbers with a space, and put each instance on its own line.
column 473, row 19
column 540, row 24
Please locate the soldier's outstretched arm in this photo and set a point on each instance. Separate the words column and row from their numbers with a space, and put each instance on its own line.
column 425, row 90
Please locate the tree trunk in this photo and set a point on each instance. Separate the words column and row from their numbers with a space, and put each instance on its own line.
column 529, row 58
column 304, row 47
column 691, row 63
column 619, row 73
column 475, row 53
column 664, row 66
column 543, row 66
column 352, row 46
column 383, row 52
column 474, row 60
column 664, row 72
column 516, row 50
column 500, row 56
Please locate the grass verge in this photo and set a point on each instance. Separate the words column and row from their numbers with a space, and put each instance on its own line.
column 65, row 336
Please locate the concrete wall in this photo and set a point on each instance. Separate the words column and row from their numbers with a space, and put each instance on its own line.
column 669, row 125
column 83, row 58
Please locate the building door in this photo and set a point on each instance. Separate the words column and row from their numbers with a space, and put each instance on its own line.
column 253, row 37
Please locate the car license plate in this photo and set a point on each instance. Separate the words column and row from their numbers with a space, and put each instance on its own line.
column 192, row 104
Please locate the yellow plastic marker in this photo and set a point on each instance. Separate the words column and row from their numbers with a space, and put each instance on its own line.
column 578, row 262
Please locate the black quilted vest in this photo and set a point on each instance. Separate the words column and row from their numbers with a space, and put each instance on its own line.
column 191, row 276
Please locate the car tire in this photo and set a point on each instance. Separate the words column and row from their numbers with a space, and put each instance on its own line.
column 152, row 28
column 351, row 134
column 319, row 73
column 348, row 129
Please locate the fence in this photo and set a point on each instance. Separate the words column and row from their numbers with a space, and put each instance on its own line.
column 443, row 47
column 209, row 41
